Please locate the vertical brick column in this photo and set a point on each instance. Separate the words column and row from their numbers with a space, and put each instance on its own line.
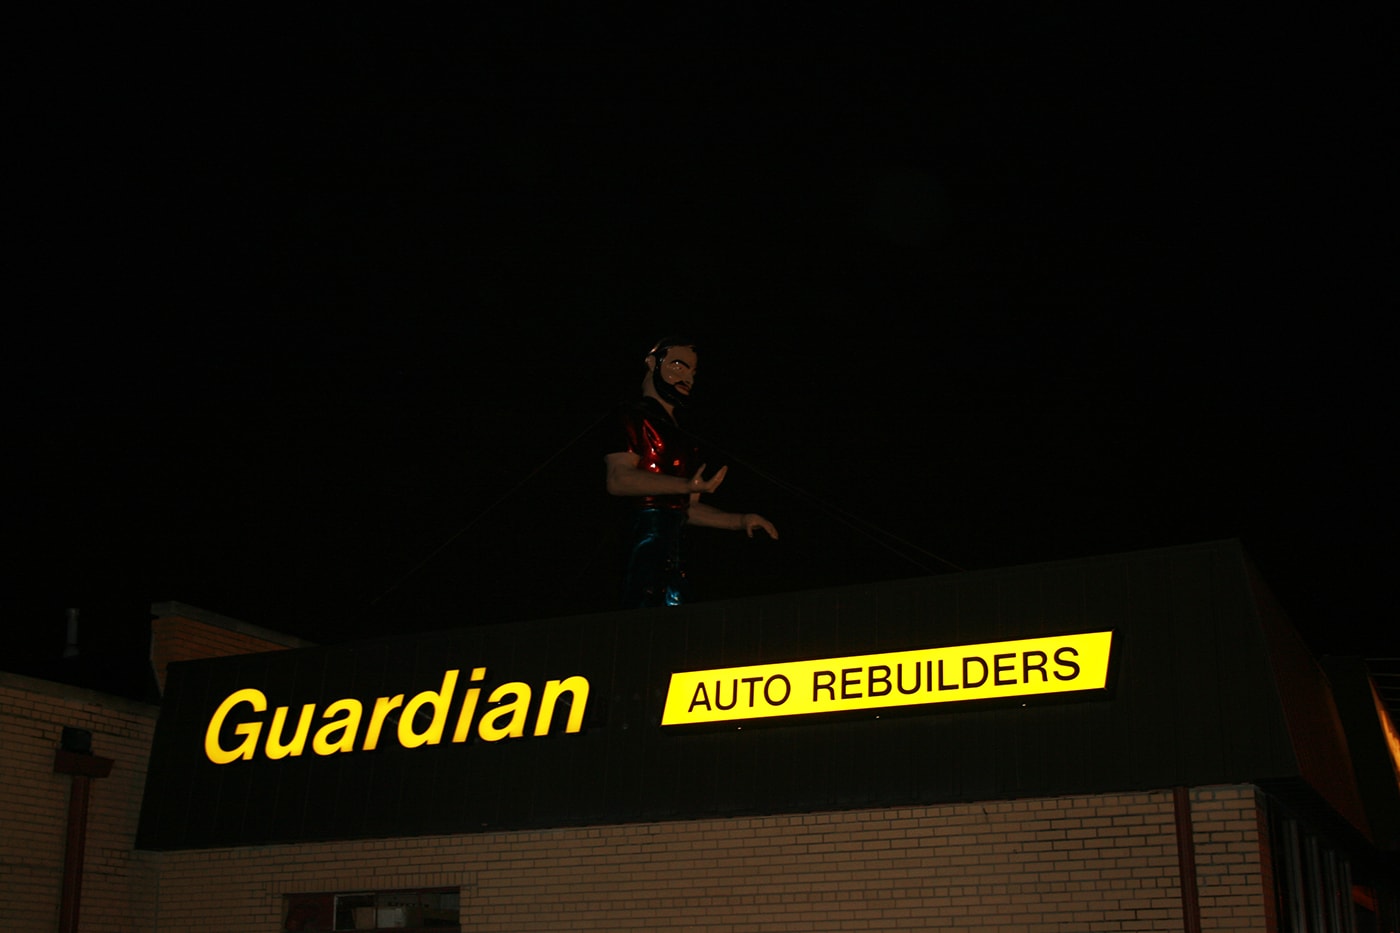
column 1232, row 859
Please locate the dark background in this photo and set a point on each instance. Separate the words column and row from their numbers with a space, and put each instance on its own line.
column 320, row 317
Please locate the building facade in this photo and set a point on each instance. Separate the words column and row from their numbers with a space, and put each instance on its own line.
column 1133, row 742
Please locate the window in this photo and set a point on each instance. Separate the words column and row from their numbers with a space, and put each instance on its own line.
column 425, row 909
column 1312, row 880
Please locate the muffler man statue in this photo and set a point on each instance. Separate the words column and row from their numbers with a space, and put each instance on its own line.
column 658, row 466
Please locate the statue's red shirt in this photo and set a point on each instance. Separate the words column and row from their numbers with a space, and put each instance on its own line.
column 661, row 447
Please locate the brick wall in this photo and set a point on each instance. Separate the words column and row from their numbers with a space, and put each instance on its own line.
column 1103, row 862
column 118, row 882
column 1233, row 868
column 187, row 633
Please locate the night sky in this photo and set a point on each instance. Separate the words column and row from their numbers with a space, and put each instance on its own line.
column 324, row 318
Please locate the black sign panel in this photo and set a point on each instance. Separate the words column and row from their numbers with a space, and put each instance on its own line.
column 559, row 722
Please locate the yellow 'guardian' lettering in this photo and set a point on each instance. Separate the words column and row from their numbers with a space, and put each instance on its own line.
column 239, row 725
column 249, row 730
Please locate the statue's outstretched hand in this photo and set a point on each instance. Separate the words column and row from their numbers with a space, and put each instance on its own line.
column 698, row 483
column 752, row 522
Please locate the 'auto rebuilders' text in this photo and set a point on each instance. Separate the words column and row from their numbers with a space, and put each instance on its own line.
column 1026, row 667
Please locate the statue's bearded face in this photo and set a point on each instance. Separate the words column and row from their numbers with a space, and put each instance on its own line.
column 673, row 376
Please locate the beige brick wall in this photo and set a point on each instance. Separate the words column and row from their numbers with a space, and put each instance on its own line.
column 118, row 882
column 181, row 636
column 1233, row 870
column 1104, row 862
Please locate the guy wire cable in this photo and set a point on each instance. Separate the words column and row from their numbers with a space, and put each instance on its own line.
column 868, row 529
column 482, row 513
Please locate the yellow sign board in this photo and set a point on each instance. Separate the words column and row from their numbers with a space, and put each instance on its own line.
column 1028, row 667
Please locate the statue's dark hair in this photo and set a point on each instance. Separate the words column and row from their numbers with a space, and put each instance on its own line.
column 665, row 343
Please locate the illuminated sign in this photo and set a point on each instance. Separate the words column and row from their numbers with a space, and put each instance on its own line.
column 342, row 726
column 1028, row 667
